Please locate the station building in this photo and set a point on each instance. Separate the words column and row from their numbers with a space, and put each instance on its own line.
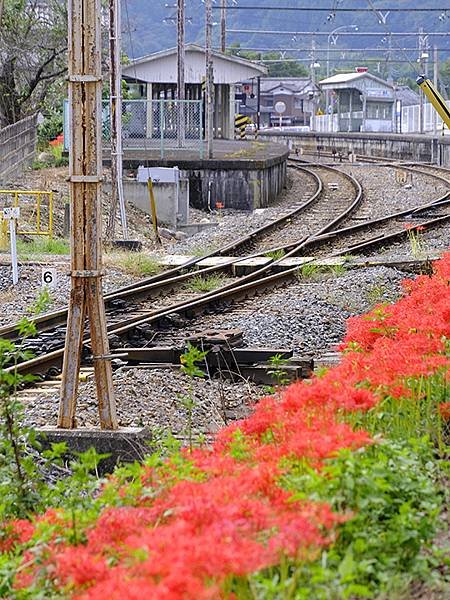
column 154, row 77
column 360, row 102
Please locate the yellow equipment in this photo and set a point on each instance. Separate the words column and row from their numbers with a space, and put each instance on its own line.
column 435, row 98
column 32, row 204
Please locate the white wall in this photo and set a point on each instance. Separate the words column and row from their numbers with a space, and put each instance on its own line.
column 164, row 69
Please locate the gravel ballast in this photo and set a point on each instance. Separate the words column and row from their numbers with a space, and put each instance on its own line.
column 308, row 316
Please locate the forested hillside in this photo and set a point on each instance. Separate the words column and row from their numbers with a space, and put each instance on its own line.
column 149, row 32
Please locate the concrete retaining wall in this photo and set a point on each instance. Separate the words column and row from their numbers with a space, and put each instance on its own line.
column 243, row 174
column 397, row 146
column 244, row 189
column 17, row 145
column 169, row 210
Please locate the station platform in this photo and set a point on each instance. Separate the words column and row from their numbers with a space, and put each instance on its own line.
column 243, row 174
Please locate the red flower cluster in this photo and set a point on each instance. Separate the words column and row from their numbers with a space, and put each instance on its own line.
column 185, row 535
column 59, row 140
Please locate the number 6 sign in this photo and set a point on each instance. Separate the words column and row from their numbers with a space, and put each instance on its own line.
column 48, row 277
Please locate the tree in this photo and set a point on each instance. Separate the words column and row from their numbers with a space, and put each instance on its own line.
column 284, row 68
column 276, row 69
column 33, row 44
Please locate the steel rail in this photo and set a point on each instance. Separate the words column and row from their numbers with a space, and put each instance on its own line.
column 53, row 360
column 145, row 288
column 235, row 290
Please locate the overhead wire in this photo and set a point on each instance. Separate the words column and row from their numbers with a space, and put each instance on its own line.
column 127, row 13
column 382, row 22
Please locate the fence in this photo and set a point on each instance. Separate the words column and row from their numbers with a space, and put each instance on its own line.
column 410, row 122
column 161, row 125
column 36, row 210
column 17, row 145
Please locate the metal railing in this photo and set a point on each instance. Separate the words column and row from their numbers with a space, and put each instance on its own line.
column 36, row 210
column 163, row 126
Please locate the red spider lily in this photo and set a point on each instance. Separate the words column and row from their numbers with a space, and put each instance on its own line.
column 444, row 410
column 183, row 537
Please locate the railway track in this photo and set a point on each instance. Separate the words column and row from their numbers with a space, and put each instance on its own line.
column 335, row 193
column 137, row 327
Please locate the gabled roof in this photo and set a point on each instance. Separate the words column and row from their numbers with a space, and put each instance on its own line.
column 406, row 95
column 196, row 48
column 349, row 77
column 294, row 84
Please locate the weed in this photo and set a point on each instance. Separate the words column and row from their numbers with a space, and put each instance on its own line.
column 203, row 250
column 42, row 303
column 275, row 254
column 389, row 490
column 42, row 245
column 189, row 367
column 205, row 284
column 378, row 293
column 415, row 239
column 309, row 271
column 134, row 263
column 277, row 362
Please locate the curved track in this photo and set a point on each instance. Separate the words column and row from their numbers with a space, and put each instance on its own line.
column 136, row 328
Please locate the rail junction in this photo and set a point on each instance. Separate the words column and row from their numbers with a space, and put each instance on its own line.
column 331, row 226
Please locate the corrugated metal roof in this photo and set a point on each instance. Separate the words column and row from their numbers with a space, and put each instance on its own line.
column 196, row 48
column 349, row 77
column 342, row 78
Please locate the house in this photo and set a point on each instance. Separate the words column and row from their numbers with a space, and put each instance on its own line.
column 154, row 77
column 360, row 101
column 298, row 94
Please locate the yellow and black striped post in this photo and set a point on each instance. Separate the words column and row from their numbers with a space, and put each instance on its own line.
column 240, row 122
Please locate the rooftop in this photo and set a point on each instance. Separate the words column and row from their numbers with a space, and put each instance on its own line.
column 349, row 77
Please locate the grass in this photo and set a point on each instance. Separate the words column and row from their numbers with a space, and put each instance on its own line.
column 275, row 254
column 313, row 270
column 205, row 284
column 133, row 263
column 42, row 245
column 203, row 250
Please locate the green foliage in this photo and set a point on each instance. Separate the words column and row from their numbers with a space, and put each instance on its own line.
column 388, row 491
column 33, row 52
column 40, row 305
column 189, row 367
column 205, row 284
column 190, row 359
column 275, row 254
column 41, row 245
column 402, row 418
column 49, row 129
column 134, row 263
column 314, row 270
column 277, row 362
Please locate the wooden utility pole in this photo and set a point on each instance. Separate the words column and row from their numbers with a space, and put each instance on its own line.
column 209, row 79
column 180, row 71
column 115, row 109
column 85, row 175
column 223, row 25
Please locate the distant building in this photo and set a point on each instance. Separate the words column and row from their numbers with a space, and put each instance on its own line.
column 154, row 77
column 297, row 93
column 359, row 102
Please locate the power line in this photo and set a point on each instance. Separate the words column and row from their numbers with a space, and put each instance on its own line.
column 332, row 10
column 337, row 60
column 326, row 33
column 267, row 49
